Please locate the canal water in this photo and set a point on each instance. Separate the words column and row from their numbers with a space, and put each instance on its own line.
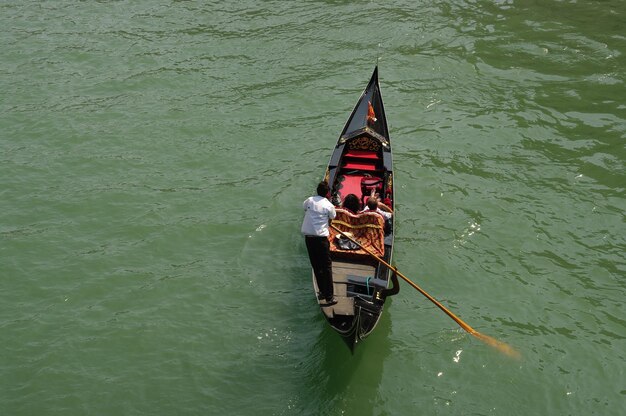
column 154, row 156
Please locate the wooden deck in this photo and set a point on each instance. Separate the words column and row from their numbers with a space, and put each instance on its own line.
column 341, row 271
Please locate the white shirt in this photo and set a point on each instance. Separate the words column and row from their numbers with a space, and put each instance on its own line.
column 386, row 215
column 317, row 212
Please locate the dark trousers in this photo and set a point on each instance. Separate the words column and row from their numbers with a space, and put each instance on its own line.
column 319, row 255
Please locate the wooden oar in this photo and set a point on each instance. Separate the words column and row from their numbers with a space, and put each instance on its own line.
column 499, row 345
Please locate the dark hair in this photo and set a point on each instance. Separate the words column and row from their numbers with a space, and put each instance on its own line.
column 352, row 203
column 322, row 188
column 372, row 203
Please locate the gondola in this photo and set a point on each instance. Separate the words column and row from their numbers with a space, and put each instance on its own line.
column 361, row 164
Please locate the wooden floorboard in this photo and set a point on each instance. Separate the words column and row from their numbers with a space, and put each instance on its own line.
column 341, row 271
column 344, row 306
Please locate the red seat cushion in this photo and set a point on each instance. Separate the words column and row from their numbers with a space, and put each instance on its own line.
column 362, row 154
column 360, row 166
column 350, row 184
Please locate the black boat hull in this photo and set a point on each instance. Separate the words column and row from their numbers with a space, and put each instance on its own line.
column 361, row 163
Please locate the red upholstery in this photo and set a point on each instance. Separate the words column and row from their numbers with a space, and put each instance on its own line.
column 350, row 184
column 367, row 228
column 360, row 166
column 362, row 154
column 371, row 183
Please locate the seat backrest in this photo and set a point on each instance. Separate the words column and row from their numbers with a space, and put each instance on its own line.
column 368, row 184
column 367, row 228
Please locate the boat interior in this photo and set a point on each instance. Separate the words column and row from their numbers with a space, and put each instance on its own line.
column 361, row 166
column 362, row 170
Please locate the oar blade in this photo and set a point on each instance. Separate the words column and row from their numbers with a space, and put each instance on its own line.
column 499, row 345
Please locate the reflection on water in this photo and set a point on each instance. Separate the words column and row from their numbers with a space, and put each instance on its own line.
column 345, row 383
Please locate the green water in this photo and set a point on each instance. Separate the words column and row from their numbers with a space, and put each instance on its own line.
column 153, row 161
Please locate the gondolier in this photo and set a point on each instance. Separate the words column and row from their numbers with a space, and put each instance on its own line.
column 318, row 212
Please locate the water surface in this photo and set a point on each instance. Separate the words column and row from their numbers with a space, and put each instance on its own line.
column 154, row 157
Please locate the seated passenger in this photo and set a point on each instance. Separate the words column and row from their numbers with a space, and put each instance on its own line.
column 352, row 203
column 373, row 204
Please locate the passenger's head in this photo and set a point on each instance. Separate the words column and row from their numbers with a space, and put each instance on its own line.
column 352, row 203
column 322, row 188
column 372, row 203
